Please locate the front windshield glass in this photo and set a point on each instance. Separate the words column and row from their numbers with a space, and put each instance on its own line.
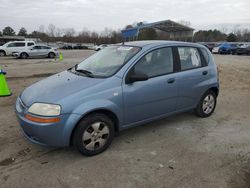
column 107, row 61
column 6, row 43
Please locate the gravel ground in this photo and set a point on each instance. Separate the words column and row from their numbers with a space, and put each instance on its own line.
column 179, row 151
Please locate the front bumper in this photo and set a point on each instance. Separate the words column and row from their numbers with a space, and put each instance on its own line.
column 47, row 134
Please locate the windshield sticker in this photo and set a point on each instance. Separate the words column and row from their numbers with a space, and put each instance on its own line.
column 126, row 48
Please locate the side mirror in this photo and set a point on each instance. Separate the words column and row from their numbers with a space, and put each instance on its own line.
column 31, row 48
column 135, row 77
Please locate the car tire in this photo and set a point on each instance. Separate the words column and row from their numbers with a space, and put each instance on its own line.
column 24, row 55
column 51, row 55
column 93, row 134
column 2, row 53
column 206, row 104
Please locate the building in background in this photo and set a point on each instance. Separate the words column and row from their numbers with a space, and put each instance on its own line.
column 6, row 38
column 164, row 30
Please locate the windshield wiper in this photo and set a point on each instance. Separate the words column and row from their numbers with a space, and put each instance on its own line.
column 88, row 73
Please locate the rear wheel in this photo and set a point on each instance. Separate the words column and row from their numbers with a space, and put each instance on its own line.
column 51, row 55
column 207, row 104
column 24, row 55
column 93, row 134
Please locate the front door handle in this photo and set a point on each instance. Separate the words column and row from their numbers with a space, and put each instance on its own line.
column 171, row 80
column 204, row 72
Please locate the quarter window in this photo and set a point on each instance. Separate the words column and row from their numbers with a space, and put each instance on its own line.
column 189, row 58
column 156, row 63
column 205, row 55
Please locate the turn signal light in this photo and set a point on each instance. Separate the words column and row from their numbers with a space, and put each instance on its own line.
column 41, row 120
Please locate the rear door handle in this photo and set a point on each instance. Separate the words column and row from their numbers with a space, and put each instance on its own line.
column 171, row 80
column 204, row 72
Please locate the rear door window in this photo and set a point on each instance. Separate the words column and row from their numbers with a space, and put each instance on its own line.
column 20, row 44
column 30, row 43
column 37, row 47
column 189, row 58
column 45, row 47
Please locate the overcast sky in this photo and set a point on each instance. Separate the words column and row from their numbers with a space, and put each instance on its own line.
column 115, row 14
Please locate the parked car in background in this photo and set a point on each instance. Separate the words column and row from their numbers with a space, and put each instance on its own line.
column 100, row 47
column 224, row 48
column 67, row 47
column 80, row 47
column 242, row 50
column 15, row 46
column 121, row 86
column 210, row 46
column 36, row 51
column 233, row 48
column 216, row 48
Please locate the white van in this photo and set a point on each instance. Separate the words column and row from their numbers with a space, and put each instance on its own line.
column 15, row 46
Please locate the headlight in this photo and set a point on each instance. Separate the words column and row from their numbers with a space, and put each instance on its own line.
column 43, row 109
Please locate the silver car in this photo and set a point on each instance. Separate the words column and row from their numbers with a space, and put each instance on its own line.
column 37, row 51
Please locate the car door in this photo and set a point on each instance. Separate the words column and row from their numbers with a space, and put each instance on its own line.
column 192, row 78
column 157, row 95
column 10, row 48
column 44, row 51
column 19, row 46
column 35, row 51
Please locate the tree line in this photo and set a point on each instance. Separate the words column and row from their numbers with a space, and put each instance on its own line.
column 54, row 34
column 237, row 35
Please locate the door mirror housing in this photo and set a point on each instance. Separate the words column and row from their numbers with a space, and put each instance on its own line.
column 135, row 77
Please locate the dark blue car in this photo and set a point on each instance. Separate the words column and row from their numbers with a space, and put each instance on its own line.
column 224, row 48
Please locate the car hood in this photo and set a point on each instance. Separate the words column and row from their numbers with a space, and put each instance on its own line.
column 56, row 87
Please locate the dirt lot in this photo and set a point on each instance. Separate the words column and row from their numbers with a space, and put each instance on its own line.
column 180, row 151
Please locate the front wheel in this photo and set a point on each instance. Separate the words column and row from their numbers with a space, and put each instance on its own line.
column 93, row 134
column 24, row 56
column 51, row 55
column 207, row 104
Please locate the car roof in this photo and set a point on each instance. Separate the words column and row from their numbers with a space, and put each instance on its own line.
column 22, row 41
column 159, row 42
column 41, row 45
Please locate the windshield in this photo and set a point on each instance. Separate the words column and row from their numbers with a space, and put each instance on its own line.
column 7, row 44
column 107, row 61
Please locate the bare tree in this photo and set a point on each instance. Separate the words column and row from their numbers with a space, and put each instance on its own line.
column 58, row 32
column 69, row 32
column 41, row 29
column 51, row 30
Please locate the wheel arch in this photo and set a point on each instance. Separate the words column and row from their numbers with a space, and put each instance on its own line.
column 52, row 53
column 106, row 112
column 1, row 50
column 215, row 90
column 24, row 53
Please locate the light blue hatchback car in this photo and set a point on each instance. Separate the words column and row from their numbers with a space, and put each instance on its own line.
column 121, row 86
